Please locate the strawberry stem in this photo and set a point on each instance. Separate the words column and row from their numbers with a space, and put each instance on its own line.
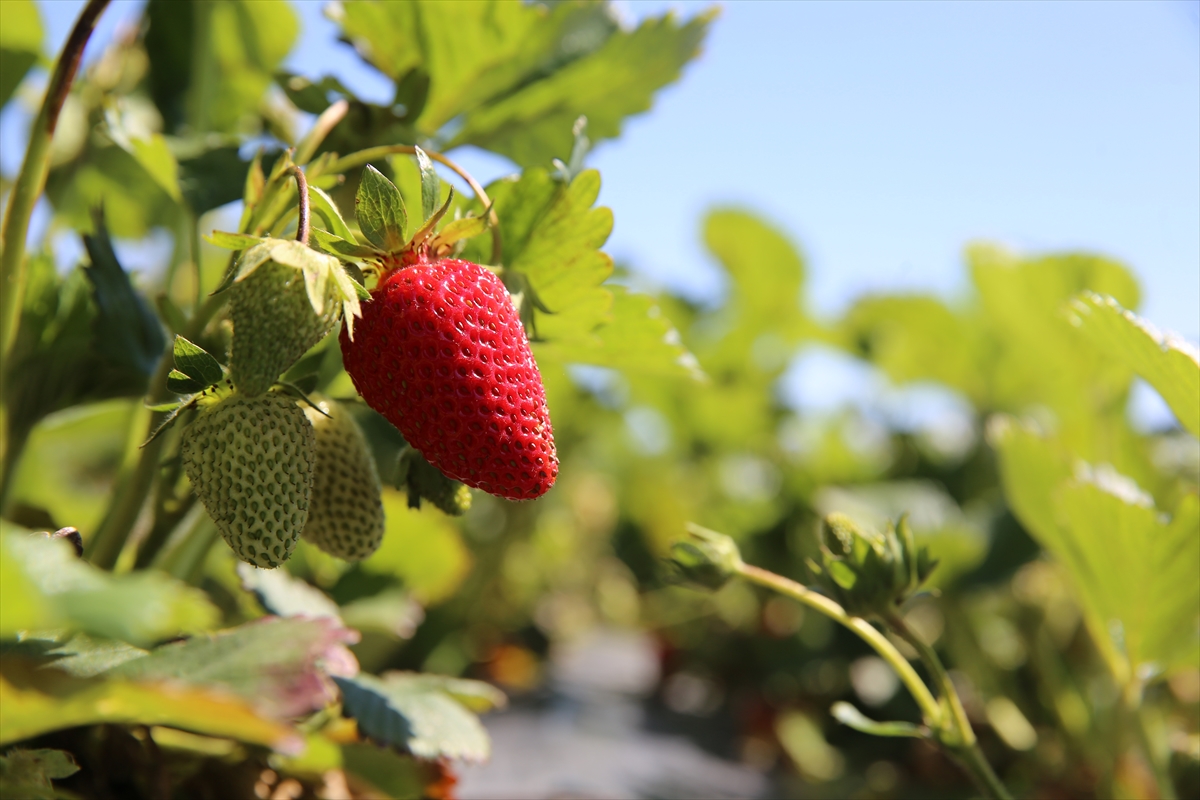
column 363, row 157
column 302, row 224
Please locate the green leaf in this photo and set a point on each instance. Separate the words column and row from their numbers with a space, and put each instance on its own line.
column 345, row 248
column 1166, row 361
column 459, row 229
column 450, row 57
column 327, row 212
column 914, row 337
column 211, row 63
column 286, row 596
column 851, row 717
column 274, row 663
column 139, row 608
column 156, row 158
column 636, row 338
column 38, row 701
column 423, row 549
column 211, row 173
column 196, row 363
column 20, row 44
column 27, row 773
column 110, row 176
column 534, row 124
column 552, row 236
column 233, row 241
column 431, row 185
column 1131, row 570
column 430, row 225
column 380, row 211
column 414, row 716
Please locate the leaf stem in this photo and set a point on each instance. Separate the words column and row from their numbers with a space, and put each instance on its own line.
column 364, row 157
column 963, row 743
column 31, row 180
column 930, row 709
column 1131, row 701
column 302, row 224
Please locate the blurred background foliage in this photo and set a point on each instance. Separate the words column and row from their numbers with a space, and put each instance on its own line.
column 665, row 412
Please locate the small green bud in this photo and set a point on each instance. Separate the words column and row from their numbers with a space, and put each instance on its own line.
column 706, row 558
column 423, row 480
column 870, row 573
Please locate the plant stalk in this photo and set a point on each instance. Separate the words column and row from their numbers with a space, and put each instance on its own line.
column 964, row 744
column 1131, row 701
column 930, row 709
column 31, row 180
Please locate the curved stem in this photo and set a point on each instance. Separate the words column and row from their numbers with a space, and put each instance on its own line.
column 34, row 171
column 364, row 157
column 964, row 744
column 302, row 224
column 887, row 651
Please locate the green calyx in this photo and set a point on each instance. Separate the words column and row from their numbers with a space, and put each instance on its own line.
column 422, row 480
column 706, row 558
column 870, row 573
column 285, row 297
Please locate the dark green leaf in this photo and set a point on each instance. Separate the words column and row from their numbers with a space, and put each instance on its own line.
column 420, row 719
column 180, row 383
column 196, row 363
column 128, row 338
column 211, row 175
column 380, row 210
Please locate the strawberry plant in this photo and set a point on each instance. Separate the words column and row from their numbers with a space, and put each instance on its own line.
column 376, row 443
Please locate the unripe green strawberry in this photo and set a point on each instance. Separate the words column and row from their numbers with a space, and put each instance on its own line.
column 345, row 518
column 282, row 303
column 250, row 461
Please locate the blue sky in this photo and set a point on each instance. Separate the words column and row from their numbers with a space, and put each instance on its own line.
column 883, row 136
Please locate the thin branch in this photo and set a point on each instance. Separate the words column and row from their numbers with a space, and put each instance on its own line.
column 302, row 224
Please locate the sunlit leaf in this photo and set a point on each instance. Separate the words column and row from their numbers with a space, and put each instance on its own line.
column 423, row 549
column 534, row 124
column 37, row 701
column 1167, row 362
column 1126, row 563
column 418, row 718
column 139, row 608
column 276, row 664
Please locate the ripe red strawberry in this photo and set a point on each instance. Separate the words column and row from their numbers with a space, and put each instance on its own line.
column 441, row 353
